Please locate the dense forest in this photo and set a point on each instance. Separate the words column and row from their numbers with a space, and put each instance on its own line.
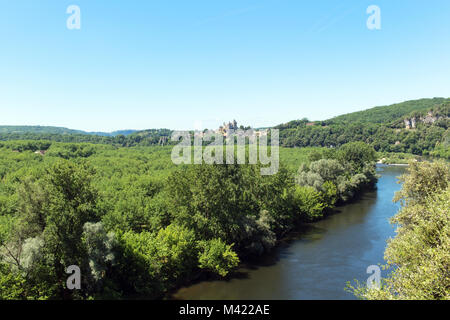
column 139, row 226
column 419, row 127
column 141, row 138
column 390, row 113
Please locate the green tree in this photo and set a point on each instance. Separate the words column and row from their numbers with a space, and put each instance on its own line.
column 218, row 257
column 309, row 202
column 358, row 154
column 48, row 237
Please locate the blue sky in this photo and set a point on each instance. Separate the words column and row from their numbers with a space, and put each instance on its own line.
column 179, row 64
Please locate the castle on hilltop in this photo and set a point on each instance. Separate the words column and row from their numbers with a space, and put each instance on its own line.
column 227, row 129
column 231, row 128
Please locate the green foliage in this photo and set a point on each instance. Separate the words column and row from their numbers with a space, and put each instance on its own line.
column 422, row 180
column 37, row 129
column 21, row 146
column 47, row 236
column 137, row 225
column 176, row 251
column 218, row 257
column 100, row 247
column 72, row 202
column 383, row 128
column 12, row 285
column 214, row 199
column 339, row 178
column 418, row 257
column 441, row 151
column 309, row 202
column 258, row 234
column 389, row 113
column 124, row 138
column 136, row 271
column 308, row 178
column 152, row 264
column 395, row 158
column 357, row 154
column 329, row 194
column 328, row 169
column 68, row 151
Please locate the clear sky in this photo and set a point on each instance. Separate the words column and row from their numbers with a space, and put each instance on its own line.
column 179, row 64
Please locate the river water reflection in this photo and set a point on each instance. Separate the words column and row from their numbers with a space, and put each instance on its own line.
column 318, row 262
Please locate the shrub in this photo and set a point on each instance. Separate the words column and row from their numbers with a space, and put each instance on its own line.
column 309, row 201
column 218, row 257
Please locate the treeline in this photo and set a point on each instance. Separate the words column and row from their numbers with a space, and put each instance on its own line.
column 58, row 130
column 429, row 137
column 137, row 226
column 418, row 257
column 39, row 130
column 141, row 138
column 384, row 128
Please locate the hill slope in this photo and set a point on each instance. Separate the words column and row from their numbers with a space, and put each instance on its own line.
column 417, row 127
column 387, row 114
column 38, row 129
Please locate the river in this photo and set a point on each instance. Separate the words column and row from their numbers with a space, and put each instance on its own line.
column 317, row 263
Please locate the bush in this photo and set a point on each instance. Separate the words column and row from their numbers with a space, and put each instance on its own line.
column 153, row 264
column 309, row 202
column 257, row 237
column 218, row 257
column 422, row 180
column 340, row 179
column 327, row 169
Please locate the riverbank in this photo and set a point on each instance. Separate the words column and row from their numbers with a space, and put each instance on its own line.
column 252, row 262
column 393, row 164
column 316, row 261
column 396, row 158
column 403, row 159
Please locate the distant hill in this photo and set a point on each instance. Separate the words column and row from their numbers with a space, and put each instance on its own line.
column 387, row 114
column 420, row 127
column 58, row 130
column 112, row 134
column 38, row 129
column 123, row 132
column 124, row 138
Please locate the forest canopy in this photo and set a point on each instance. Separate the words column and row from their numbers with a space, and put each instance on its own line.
column 139, row 226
